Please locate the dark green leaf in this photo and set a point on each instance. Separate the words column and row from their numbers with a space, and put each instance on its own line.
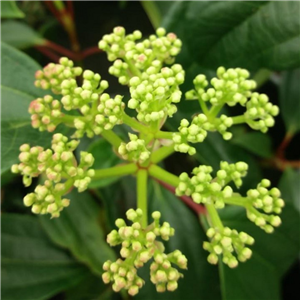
column 289, row 186
column 201, row 280
column 20, row 35
column 17, row 91
column 255, row 142
column 290, row 100
column 238, row 33
column 78, row 229
column 9, row 9
column 32, row 267
column 104, row 158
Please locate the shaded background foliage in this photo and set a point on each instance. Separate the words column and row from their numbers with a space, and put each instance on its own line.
column 62, row 258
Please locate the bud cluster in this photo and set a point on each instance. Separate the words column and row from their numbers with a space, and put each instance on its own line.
column 107, row 114
column 138, row 56
column 45, row 113
column 229, row 87
column 59, row 167
column 268, row 201
column 228, row 243
column 260, row 112
column 135, row 150
column 53, row 75
column 139, row 245
column 154, row 93
column 204, row 189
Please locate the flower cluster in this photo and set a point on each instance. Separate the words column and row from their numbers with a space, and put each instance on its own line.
column 99, row 111
column 227, row 242
column 229, row 87
column 59, row 167
column 139, row 245
column 135, row 150
column 138, row 56
column 260, row 112
column 268, row 201
column 154, row 93
column 204, row 189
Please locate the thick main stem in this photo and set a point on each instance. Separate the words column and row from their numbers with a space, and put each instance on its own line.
column 160, row 174
column 142, row 178
column 214, row 216
column 112, row 138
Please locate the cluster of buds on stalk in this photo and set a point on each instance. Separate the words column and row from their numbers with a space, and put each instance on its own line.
column 140, row 245
column 60, row 169
column 259, row 203
column 203, row 188
column 132, row 57
column 135, row 150
column 227, row 242
column 268, row 201
column 231, row 87
column 98, row 110
column 153, row 94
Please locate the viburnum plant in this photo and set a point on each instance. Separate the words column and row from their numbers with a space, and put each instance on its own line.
column 147, row 67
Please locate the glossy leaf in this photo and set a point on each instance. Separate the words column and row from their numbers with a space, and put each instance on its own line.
column 32, row 266
column 290, row 100
column 289, row 186
column 78, row 229
column 200, row 281
column 17, row 91
column 104, row 158
column 20, row 35
column 9, row 9
column 238, row 33
column 255, row 142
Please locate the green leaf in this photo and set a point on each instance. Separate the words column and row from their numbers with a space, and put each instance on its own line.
column 17, row 91
column 19, row 35
column 9, row 9
column 32, row 267
column 290, row 100
column 200, row 280
column 104, row 158
column 78, row 229
column 238, row 33
column 273, row 255
column 289, row 186
column 255, row 142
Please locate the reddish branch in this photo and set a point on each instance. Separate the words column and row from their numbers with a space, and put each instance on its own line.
column 199, row 209
column 48, row 53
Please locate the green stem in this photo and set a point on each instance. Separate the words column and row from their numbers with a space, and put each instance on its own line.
column 161, row 154
column 142, row 178
column 112, row 138
column 120, row 170
column 203, row 106
column 214, row 111
column 214, row 216
column 133, row 123
column 152, row 12
column 239, row 201
column 133, row 69
column 239, row 119
column 164, row 135
column 160, row 174
column 68, row 185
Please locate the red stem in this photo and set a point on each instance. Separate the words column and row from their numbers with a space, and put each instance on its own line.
column 90, row 51
column 198, row 209
column 53, row 10
column 61, row 50
column 70, row 8
column 48, row 53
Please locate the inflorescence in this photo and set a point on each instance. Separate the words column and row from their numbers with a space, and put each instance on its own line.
column 140, row 245
column 142, row 64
